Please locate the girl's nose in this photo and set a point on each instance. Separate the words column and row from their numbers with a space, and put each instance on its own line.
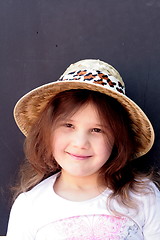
column 81, row 140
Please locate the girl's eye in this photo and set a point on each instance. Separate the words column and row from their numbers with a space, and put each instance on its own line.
column 97, row 130
column 68, row 125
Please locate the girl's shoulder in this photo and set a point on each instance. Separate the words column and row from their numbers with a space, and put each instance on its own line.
column 150, row 213
column 148, row 193
column 41, row 190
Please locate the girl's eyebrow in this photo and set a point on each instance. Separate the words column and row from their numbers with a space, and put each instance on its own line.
column 91, row 123
column 100, row 125
column 67, row 120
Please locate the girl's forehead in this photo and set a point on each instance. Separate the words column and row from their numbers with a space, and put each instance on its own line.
column 86, row 114
column 87, row 109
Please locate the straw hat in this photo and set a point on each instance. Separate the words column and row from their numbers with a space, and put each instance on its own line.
column 93, row 75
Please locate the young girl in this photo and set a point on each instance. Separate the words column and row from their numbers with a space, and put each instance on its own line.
column 80, row 180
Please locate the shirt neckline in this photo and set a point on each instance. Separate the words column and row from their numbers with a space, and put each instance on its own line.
column 59, row 198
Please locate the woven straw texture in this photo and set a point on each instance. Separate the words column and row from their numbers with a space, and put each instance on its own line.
column 29, row 107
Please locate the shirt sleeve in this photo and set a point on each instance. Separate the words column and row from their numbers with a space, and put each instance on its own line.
column 151, row 229
column 20, row 220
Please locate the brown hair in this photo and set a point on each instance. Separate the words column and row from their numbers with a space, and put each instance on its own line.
column 119, row 172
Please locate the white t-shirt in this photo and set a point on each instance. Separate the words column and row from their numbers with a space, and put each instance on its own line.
column 40, row 214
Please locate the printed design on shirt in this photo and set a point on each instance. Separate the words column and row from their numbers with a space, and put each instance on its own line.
column 92, row 227
column 96, row 77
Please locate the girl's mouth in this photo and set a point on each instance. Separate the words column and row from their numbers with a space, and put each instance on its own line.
column 79, row 157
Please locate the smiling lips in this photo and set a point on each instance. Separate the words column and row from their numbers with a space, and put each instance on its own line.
column 79, row 157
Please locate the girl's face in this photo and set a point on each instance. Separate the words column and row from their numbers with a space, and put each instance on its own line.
column 80, row 144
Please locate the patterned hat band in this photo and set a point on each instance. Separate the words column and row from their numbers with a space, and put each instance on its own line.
column 96, row 77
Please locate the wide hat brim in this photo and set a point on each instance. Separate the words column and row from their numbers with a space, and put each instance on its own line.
column 29, row 107
column 93, row 75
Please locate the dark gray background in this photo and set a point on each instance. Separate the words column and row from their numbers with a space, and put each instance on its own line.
column 40, row 38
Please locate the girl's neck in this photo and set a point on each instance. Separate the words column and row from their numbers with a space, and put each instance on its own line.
column 78, row 182
column 77, row 188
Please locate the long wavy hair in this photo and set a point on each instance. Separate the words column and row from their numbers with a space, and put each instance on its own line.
column 119, row 172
